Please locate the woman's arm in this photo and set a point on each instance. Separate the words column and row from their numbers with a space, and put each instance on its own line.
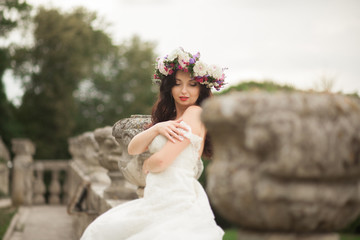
column 169, row 129
column 162, row 159
column 141, row 141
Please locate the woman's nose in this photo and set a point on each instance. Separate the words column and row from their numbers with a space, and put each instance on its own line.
column 183, row 90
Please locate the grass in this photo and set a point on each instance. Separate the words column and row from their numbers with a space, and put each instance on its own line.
column 349, row 237
column 231, row 234
column 6, row 214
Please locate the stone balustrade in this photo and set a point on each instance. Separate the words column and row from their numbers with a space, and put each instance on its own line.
column 58, row 191
column 28, row 181
column 286, row 166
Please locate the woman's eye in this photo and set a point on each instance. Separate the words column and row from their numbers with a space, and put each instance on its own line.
column 193, row 84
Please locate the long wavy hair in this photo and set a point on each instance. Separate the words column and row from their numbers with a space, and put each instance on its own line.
column 164, row 108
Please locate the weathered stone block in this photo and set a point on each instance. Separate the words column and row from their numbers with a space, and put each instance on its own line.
column 285, row 162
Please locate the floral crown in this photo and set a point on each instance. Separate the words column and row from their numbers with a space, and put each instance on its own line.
column 209, row 75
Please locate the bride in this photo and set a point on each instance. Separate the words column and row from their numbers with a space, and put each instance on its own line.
column 175, row 205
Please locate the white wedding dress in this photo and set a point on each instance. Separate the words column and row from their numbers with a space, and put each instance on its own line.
column 174, row 207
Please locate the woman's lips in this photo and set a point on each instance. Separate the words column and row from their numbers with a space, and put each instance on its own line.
column 184, row 98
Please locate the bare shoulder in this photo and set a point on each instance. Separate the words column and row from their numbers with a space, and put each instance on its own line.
column 192, row 117
column 193, row 110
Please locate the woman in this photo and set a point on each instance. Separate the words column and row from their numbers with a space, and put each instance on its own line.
column 175, row 205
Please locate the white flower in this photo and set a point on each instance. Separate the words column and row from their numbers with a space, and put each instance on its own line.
column 215, row 71
column 183, row 58
column 161, row 67
column 174, row 54
column 200, row 69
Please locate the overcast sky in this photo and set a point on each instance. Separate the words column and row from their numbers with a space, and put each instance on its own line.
column 288, row 41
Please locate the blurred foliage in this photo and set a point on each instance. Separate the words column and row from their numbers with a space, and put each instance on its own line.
column 266, row 85
column 353, row 227
column 76, row 79
column 13, row 13
column 126, row 89
column 66, row 51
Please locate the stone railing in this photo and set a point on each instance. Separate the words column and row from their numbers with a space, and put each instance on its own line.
column 58, row 193
column 28, row 182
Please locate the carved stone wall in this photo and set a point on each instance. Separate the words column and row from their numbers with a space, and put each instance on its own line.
column 285, row 163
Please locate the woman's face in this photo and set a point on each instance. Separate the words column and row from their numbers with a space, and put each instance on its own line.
column 186, row 90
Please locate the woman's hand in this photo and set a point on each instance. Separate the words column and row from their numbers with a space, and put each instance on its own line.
column 170, row 129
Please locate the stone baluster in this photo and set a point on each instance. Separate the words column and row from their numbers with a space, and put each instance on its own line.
column 286, row 166
column 54, row 187
column 131, row 166
column 39, row 188
column 109, row 155
column 22, row 177
column 65, row 187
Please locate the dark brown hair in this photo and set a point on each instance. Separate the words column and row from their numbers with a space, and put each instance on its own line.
column 164, row 108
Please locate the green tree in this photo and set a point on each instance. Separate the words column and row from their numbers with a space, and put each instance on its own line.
column 127, row 90
column 67, row 50
column 12, row 14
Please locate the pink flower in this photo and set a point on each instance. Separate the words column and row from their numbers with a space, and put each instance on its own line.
column 200, row 80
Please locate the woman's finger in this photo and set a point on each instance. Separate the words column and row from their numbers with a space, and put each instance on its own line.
column 170, row 138
column 182, row 127
column 175, row 130
column 177, row 134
